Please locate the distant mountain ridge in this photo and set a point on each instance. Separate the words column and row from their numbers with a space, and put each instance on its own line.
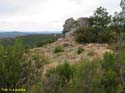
column 16, row 34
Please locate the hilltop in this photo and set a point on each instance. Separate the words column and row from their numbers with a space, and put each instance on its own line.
column 91, row 50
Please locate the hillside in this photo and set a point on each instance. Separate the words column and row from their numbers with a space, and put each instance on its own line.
column 14, row 34
column 31, row 40
column 70, row 52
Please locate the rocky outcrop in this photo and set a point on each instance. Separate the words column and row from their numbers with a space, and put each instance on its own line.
column 68, row 25
column 71, row 26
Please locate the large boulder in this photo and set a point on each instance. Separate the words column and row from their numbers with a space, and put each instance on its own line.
column 68, row 24
column 71, row 26
column 82, row 22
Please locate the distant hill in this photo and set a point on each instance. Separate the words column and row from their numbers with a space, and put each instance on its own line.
column 32, row 40
column 17, row 34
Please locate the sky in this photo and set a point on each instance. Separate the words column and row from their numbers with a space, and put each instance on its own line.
column 47, row 15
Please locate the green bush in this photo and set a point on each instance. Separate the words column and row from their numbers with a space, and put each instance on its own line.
column 97, row 76
column 100, row 19
column 83, row 35
column 58, row 79
column 65, row 72
column 80, row 50
column 110, row 80
column 18, row 68
column 87, row 77
column 91, row 35
column 98, row 30
column 58, row 49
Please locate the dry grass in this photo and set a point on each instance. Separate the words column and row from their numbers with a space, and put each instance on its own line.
column 70, row 48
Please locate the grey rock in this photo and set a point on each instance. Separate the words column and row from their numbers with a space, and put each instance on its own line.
column 122, row 4
column 71, row 26
column 83, row 22
column 68, row 24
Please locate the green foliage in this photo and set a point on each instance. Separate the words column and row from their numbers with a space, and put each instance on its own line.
column 58, row 79
column 108, row 61
column 100, row 19
column 65, row 72
column 118, row 22
column 58, row 49
column 98, row 30
column 80, row 50
column 91, row 35
column 103, row 28
column 86, row 77
column 83, row 34
column 18, row 67
column 110, row 80
column 40, row 44
column 99, row 76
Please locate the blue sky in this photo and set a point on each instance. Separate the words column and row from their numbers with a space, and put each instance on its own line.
column 47, row 15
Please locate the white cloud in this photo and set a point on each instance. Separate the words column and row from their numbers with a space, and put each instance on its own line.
column 41, row 15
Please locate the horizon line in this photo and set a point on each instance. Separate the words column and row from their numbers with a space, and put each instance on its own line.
column 30, row 31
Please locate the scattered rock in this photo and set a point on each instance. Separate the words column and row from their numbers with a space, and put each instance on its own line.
column 67, row 44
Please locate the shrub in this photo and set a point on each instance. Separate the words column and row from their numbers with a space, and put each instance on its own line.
column 58, row 49
column 86, row 77
column 100, row 19
column 80, row 50
column 65, row 72
column 18, row 67
column 110, row 80
column 58, row 79
column 82, row 35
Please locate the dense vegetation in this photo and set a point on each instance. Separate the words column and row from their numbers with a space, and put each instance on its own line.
column 103, row 28
column 19, row 68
